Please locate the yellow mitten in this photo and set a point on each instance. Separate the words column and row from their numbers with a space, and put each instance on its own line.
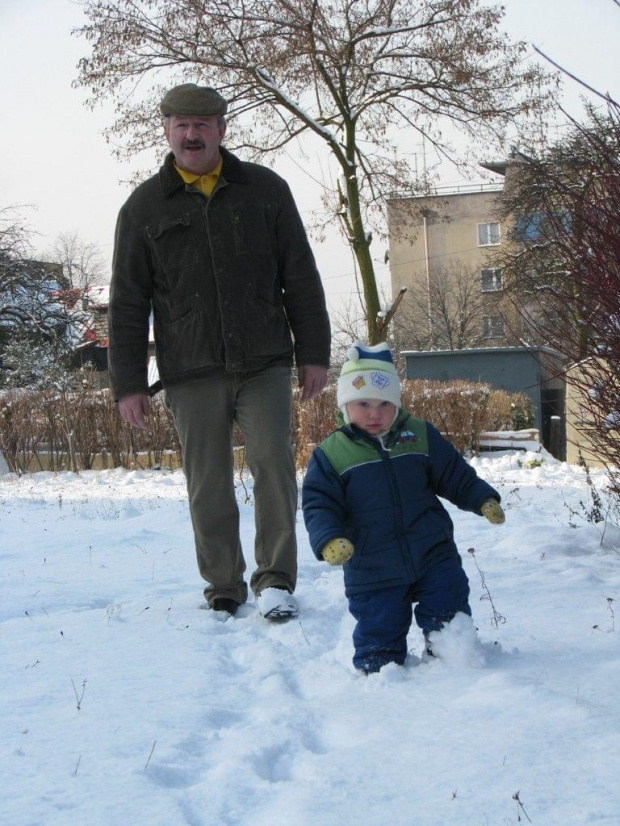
column 337, row 551
column 493, row 512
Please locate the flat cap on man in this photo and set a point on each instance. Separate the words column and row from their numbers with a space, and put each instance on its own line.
column 191, row 99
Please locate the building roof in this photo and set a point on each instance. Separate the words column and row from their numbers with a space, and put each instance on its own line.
column 481, row 188
column 98, row 295
column 500, row 167
column 486, row 350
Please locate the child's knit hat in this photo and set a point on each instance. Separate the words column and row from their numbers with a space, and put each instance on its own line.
column 368, row 373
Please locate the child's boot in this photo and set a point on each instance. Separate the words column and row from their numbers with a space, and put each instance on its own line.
column 428, row 649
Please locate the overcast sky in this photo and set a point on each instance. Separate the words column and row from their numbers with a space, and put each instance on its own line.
column 55, row 158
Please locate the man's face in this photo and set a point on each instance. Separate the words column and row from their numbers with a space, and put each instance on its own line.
column 195, row 141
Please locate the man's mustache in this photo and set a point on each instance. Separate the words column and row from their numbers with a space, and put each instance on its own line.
column 195, row 144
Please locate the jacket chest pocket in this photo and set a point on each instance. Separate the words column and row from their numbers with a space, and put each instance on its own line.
column 251, row 229
column 174, row 242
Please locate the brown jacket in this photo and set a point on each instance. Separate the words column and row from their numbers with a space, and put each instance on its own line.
column 231, row 280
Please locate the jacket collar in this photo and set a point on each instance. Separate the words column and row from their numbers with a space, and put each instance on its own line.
column 232, row 172
column 360, row 435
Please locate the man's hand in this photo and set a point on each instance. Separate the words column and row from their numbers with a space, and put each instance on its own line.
column 312, row 379
column 493, row 512
column 337, row 551
column 135, row 408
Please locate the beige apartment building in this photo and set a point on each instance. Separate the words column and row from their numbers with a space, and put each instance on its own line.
column 443, row 247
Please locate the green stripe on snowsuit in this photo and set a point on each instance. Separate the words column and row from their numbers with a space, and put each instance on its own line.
column 344, row 453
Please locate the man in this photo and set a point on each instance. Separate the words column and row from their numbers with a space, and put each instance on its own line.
column 215, row 248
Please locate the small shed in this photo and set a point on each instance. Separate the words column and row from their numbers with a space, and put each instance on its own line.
column 535, row 371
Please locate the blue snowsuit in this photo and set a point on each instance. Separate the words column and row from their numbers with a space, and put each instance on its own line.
column 381, row 495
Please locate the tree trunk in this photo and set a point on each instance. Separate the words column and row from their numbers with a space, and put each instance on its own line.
column 360, row 241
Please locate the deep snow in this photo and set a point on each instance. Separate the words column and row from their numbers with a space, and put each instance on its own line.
column 123, row 702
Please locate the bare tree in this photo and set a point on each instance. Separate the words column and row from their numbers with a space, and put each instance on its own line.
column 450, row 318
column 458, row 306
column 565, row 264
column 562, row 262
column 35, row 326
column 82, row 262
column 352, row 73
column 27, row 286
column 348, row 326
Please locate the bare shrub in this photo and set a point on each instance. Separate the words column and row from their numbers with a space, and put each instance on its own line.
column 509, row 411
column 64, row 430
column 313, row 421
column 20, row 430
column 458, row 409
column 462, row 411
column 68, row 430
column 162, row 435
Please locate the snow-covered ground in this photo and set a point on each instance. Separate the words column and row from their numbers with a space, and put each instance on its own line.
column 123, row 702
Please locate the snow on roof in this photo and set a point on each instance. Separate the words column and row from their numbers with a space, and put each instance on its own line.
column 98, row 294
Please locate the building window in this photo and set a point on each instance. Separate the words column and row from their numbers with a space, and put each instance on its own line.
column 530, row 227
column 491, row 280
column 541, row 227
column 488, row 234
column 493, row 326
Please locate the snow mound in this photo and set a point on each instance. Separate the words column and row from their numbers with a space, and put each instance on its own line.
column 457, row 644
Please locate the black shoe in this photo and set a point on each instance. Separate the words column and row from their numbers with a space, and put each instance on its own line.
column 225, row 604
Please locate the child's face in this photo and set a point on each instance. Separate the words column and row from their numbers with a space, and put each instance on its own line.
column 372, row 415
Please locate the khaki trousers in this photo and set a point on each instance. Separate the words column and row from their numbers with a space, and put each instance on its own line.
column 204, row 411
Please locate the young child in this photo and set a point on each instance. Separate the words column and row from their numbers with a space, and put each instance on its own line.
column 370, row 503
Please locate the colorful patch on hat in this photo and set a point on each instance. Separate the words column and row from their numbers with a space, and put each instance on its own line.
column 379, row 380
column 358, row 382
